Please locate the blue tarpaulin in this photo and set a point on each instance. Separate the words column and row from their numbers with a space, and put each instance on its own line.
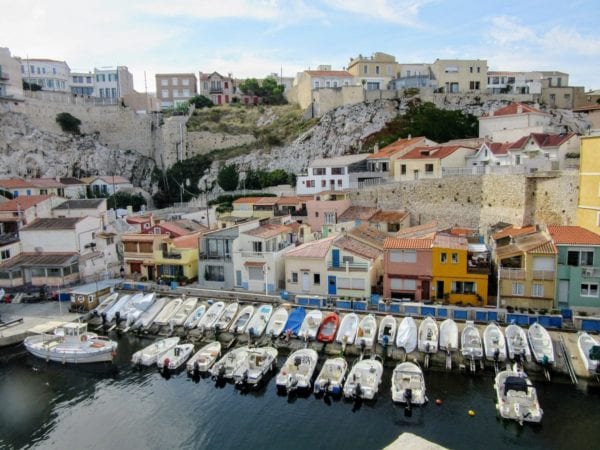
column 295, row 320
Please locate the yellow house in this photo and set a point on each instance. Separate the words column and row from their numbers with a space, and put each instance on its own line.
column 456, row 276
column 310, row 80
column 430, row 162
column 384, row 160
column 374, row 72
column 177, row 258
column 588, row 208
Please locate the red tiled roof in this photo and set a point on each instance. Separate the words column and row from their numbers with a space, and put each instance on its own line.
column 268, row 230
column 586, row 108
column 14, row 183
column 329, row 73
column 46, row 183
column 418, row 230
column 401, row 243
column 357, row 247
column 573, row 235
column 313, row 249
column 512, row 231
column 543, row 140
column 246, row 200
column 22, row 203
column 117, row 179
column 439, row 152
column 512, row 109
column 499, row 148
column 357, row 213
column 450, row 241
column 188, row 241
column 389, row 216
column 398, row 146
column 173, row 228
column 138, row 219
column 291, row 201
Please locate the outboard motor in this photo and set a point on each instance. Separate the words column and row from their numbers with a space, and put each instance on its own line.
column 363, row 345
column 103, row 315
column 386, row 340
column 357, row 391
column 165, row 366
column 496, row 354
column 408, row 395
column 117, row 317
column 196, row 368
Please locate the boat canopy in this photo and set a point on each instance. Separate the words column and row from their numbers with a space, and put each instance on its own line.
column 295, row 320
column 518, row 384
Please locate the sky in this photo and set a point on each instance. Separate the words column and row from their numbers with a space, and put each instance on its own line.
column 253, row 38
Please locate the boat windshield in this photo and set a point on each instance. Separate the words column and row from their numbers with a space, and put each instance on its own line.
column 518, row 384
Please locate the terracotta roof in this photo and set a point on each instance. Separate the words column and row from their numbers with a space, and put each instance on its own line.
column 188, row 241
column 573, row 235
column 418, row 230
column 512, row 231
column 407, row 243
column 62, row 223
column 71, row 180
column 539, row 243
column 398, row 146
column 389, row 216
column 138, row 219
column 542, row 140
column 191, row 226
column 586, row 108
column 499, row 148
column 40, row 260
column 117, row 179
column 268, row 230
column 173, row 229
column 450, row 241
column 457, row 231
column 358, row 248
column 14, row 183
column 329, row 73
column 512, row 109
column 439, row 152
column 291, row 201
column 371, row 236
column 357, row 213
column 269, row 201
column 22, row 203
column 251, row 200
column 313, row 249
column 46, row 183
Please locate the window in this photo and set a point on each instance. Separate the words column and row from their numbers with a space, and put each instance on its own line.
column 403, row 284
column 174, row 81
column 164, row 93
column 330, row 218
column 323, row 183
column 294, row 277
column 316, row 213
column 580, row 258
column 405, row 256
column 130, row 247
column 316, row 84
column 471, row 69
column 339, row 183
column 454, row 258
column 377, row 70
column 443, row 257
column 429, row 168
column 517, row 289
column 257, row 246
column 255, row 273
column 365, row 69
column 537, row 290
column 589, row 290
column 348, row 259
column 316, row 278
column 403, row 169
column 186, row 82
column 464, row 287
column 319, row 171
column 337, row 171
column 5, row 254
column 214, row 273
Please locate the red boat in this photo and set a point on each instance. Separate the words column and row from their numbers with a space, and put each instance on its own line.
column 328, row 328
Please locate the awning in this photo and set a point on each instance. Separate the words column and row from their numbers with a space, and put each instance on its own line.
column 254, row 263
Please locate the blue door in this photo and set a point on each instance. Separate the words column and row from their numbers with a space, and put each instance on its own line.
column 331, row 286
column 335, row 256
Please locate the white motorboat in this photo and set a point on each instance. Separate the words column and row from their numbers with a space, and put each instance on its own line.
column 194, row 317
column 204, row 358
column 347, row 330
column 226, row 318
column 448, row 335
column 167, row 312
column 277, row 322
column 428, row 335
column 589, row 349
column 187, row 308
column 175, row 357
column 516, row 342
column 226, row 366
column 331, row 377
column 406, row 336
column 243, row 318
column 310, row 324
column 148, row 316
column 471, row 346
column 364, row 379
column 541, row 344
column 367, row 331
column 125, row 308
column 108, row 314
column 516, row 398
column 387, row 330
column 408, row 384
column 259, row 320
column 298, row 370
column 494, row 343
column 258, row 363
column 137, row 307
column 211, row 316
column 71, row 343
column 105, row 304
column 149, row 355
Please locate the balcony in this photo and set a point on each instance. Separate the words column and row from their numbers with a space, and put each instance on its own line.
column 544, row 275
column 4, row 76
column 507, row 273
column 478, row 267
column 171, row 255
column 590, row 272
column 215, row 256
column 246, row 254
column 8, row 238
column 352, row 267
column 215, row 90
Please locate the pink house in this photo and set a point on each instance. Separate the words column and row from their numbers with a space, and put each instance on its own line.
column 407, row 267
column 324, row 212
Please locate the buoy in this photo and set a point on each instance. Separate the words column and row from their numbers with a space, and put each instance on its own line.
column 471, row 412
column 438, row 402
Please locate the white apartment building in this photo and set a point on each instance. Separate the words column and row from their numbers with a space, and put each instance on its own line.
column 11, row 83
column 112, row 82
column 49, row 74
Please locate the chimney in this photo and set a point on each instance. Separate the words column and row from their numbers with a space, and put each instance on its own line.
column 519, row 109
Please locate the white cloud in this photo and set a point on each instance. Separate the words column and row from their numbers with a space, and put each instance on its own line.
column 401, row 12
column 506, row 30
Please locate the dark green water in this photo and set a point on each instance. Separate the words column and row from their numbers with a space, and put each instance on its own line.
column 53, row 406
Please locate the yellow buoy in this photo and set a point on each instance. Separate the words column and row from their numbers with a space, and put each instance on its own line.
column 471, row 412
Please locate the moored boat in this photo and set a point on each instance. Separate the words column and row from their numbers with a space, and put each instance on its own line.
column 408, row 384
column 541, row 344
column 194, row 317
column 387, row 330
column 310, row 325
column 187, row 307
column 241, row 321
column 175, row 357
column 471, row 346
column 294, row 321
column 168, row 311
column 211, row 316
column 347, row 330
column 204, row 358
column 148, row 316
column 137, row 307
column 298, row 370
column 331, row 377
column 105, row 305
column 494, row 343
column 448, row 335
column 406, row 335
column 108, row 315
column 229, row 313
column 364, row 379
column 516, row 398
column 367, row 331
column 150, row 354
column 589, row 349
column 277, row 322
column 259, row 320
column 428, row 335
column 328, row 328
column 257, row 364
column 516, row 342
column 226, row 366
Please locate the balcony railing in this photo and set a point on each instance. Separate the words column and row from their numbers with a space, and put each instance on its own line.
column 223, row 257
column 507, row 273
column 590, row 272
column 246, row 254
column 543, row 275
column 353, row 267
column 215, row 90
column 4, row 76
column 171, row 255
column 7, row 238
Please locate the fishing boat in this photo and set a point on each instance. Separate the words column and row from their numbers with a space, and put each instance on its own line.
column 137, row 307
column 187, row 307
column 516, row 342
column 167, row 312
column 241, row 321
column 541, row 344
column 364, row 379
column 328, row 328
column 204, row 358
column 148, row 316
column 257, row 364
column 210, row 317
column 448, row 335
column 494, row 343
column 428, row 335
column 277, row 322
column 194, row 317
column 149, row 355
column 175, row 357
column 589, row 349
column 294, row 321
column 408, row 384
column 225, row 367
column 471, row 346
column 71, row 343
column 108, row 315
column 310, row 325
column 229, row 313
column 298, row 370
column 259, row 321
column 105, row 304
column 406, row 336
column 331, row 377
column 387, row 330
column 347, row 330
column 516, row 398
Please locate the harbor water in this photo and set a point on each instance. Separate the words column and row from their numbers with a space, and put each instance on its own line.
column 48, row 405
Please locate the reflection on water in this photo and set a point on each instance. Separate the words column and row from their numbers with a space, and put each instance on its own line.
column 55, row 406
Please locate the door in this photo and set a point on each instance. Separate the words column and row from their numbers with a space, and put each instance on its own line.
column 563, row 292
column 439, row 290
column 150, row 273
column 331, row 285
column 305, row 282
column 218, row 99
column 238, row 277
column 425, row 290
column 335, row 257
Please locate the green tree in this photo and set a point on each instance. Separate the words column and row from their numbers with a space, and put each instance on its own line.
column 68, row 123
column 184, row 174
column 228, row 177
column 201, row 101
column 125, row 199
column 251, row 86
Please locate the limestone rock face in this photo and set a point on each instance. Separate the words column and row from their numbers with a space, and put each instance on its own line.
column 28, row 151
